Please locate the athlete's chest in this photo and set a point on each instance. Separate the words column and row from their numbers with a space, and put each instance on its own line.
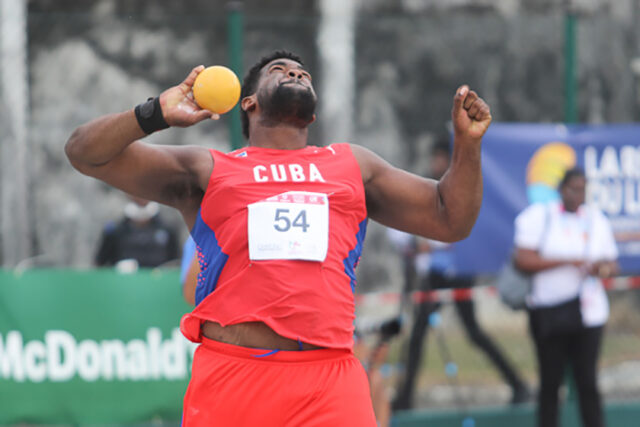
column 239, row 181
column 255, row 173
column 284, row 204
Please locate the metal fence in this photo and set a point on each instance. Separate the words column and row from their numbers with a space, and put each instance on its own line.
column 457, row 375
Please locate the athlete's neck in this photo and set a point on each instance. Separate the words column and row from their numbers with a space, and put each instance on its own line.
column 279, row 137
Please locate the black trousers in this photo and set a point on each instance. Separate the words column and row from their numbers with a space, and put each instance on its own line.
column 580, row 350
column 466, row 311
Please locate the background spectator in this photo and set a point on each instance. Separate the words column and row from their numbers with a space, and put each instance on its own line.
column 568, row 246
column 140, row 235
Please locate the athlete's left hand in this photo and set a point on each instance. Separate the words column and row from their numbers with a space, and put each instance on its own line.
column 471, row 115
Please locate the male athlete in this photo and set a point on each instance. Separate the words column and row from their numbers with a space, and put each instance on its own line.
column 279, row 227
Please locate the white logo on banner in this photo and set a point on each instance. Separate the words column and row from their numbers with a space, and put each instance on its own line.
column 60, row 358
column 614, row 179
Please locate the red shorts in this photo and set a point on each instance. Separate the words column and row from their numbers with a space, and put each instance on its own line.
column 239, row 386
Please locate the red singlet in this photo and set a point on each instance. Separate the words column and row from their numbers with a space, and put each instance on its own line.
column 303, row 214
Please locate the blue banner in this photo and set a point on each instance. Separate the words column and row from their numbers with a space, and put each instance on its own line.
column 523, row 163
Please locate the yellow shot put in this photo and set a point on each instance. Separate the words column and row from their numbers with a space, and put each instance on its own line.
column 216, row 89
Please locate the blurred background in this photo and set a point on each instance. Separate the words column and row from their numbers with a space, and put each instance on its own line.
column 385, row 72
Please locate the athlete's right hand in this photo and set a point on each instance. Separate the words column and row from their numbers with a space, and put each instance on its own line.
column 178, row 106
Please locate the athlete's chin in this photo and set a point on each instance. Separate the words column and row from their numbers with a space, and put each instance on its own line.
column 302, row 122
column 293, row 120
column 296, row 94
column 289, row 104
column 303, row 117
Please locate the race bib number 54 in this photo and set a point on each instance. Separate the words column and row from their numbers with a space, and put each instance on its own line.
column 291, row 225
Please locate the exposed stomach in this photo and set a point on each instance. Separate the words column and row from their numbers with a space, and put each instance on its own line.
column 253, row 335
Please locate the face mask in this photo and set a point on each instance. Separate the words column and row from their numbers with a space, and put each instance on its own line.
column 136, row 212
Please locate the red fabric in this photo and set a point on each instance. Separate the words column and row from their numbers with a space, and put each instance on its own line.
column 306, row 300
column 230, row 387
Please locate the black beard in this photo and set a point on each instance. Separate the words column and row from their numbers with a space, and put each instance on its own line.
column 288, row 104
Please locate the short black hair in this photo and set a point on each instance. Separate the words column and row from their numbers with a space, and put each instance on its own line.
column 250, row 81
column 576, row 172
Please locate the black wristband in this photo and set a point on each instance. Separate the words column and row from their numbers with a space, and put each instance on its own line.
column 149, row 116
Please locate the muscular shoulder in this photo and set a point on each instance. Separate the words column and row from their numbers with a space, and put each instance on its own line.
column 196, row 159
column 368, row 161
column 197, row 164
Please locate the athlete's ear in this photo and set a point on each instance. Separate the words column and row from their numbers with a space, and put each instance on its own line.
column 249, row 103
column 313, row 119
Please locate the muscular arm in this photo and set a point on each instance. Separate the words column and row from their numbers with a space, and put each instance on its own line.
column 444, row 210
column 108, row 148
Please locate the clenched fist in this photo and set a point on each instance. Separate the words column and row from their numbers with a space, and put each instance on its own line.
column 471, row 115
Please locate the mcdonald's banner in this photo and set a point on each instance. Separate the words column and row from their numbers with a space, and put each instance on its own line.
column 523, row 163
column 91, row 347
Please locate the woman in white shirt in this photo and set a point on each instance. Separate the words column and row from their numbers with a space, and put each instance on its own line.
column 567, row 246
